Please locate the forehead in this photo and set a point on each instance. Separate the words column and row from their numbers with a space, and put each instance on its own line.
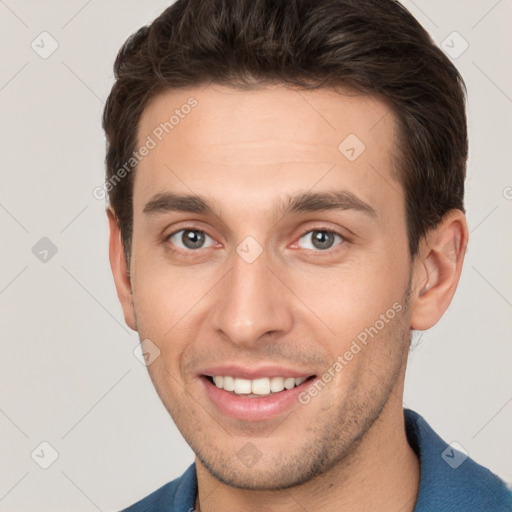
column 256, row 145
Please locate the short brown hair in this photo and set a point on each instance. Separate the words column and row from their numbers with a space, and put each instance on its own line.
column 376, row 46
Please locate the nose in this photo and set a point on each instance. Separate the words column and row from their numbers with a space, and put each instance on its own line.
column 251, row 302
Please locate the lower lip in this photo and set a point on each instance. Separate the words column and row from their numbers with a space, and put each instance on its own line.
column 251, row 408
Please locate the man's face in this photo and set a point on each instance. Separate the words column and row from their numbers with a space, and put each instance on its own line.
column 260, row 291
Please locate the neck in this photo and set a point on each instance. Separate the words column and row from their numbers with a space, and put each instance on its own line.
column 382, row 473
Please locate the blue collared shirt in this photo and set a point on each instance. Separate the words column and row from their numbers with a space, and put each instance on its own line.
column 449, row 482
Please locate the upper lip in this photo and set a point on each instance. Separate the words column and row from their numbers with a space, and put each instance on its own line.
column 253, row 372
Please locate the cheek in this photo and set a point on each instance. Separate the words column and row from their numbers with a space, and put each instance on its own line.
column 349, row 298
column 164, row 295
column 170, row 310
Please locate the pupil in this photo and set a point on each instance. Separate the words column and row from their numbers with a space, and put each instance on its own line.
column 193, row 239
column 323, row 239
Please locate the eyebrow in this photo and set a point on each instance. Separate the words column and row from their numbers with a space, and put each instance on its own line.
column 300, row 203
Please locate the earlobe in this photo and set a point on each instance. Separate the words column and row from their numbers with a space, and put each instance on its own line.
column 120, row 270
column 437, row 269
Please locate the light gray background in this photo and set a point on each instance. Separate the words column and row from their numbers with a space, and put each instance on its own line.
column 68, row 375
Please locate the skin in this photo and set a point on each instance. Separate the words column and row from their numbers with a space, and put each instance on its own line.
column 246, row 151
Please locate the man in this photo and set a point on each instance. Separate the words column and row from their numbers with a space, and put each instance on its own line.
column 286, row 185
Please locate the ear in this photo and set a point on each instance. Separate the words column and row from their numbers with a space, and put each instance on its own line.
column 120, row 270
column 436, row 270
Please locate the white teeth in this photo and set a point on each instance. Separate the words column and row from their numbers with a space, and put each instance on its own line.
column 289, row 383
column 262, row 386
column 229, row 383
column 276, row 384
column 242, row 386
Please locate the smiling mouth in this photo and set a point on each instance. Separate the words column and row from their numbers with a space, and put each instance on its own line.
column 265, row 386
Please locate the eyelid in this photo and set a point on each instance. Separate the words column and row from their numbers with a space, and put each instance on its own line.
column 305, row 231
column 325, row 229
column 186, row 226
column 167, row 238
column 321, row 228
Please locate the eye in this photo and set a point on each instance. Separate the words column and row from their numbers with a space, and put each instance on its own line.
column 190, row 239
column 320, row 239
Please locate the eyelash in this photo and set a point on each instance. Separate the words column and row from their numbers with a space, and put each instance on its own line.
column 324, row 229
